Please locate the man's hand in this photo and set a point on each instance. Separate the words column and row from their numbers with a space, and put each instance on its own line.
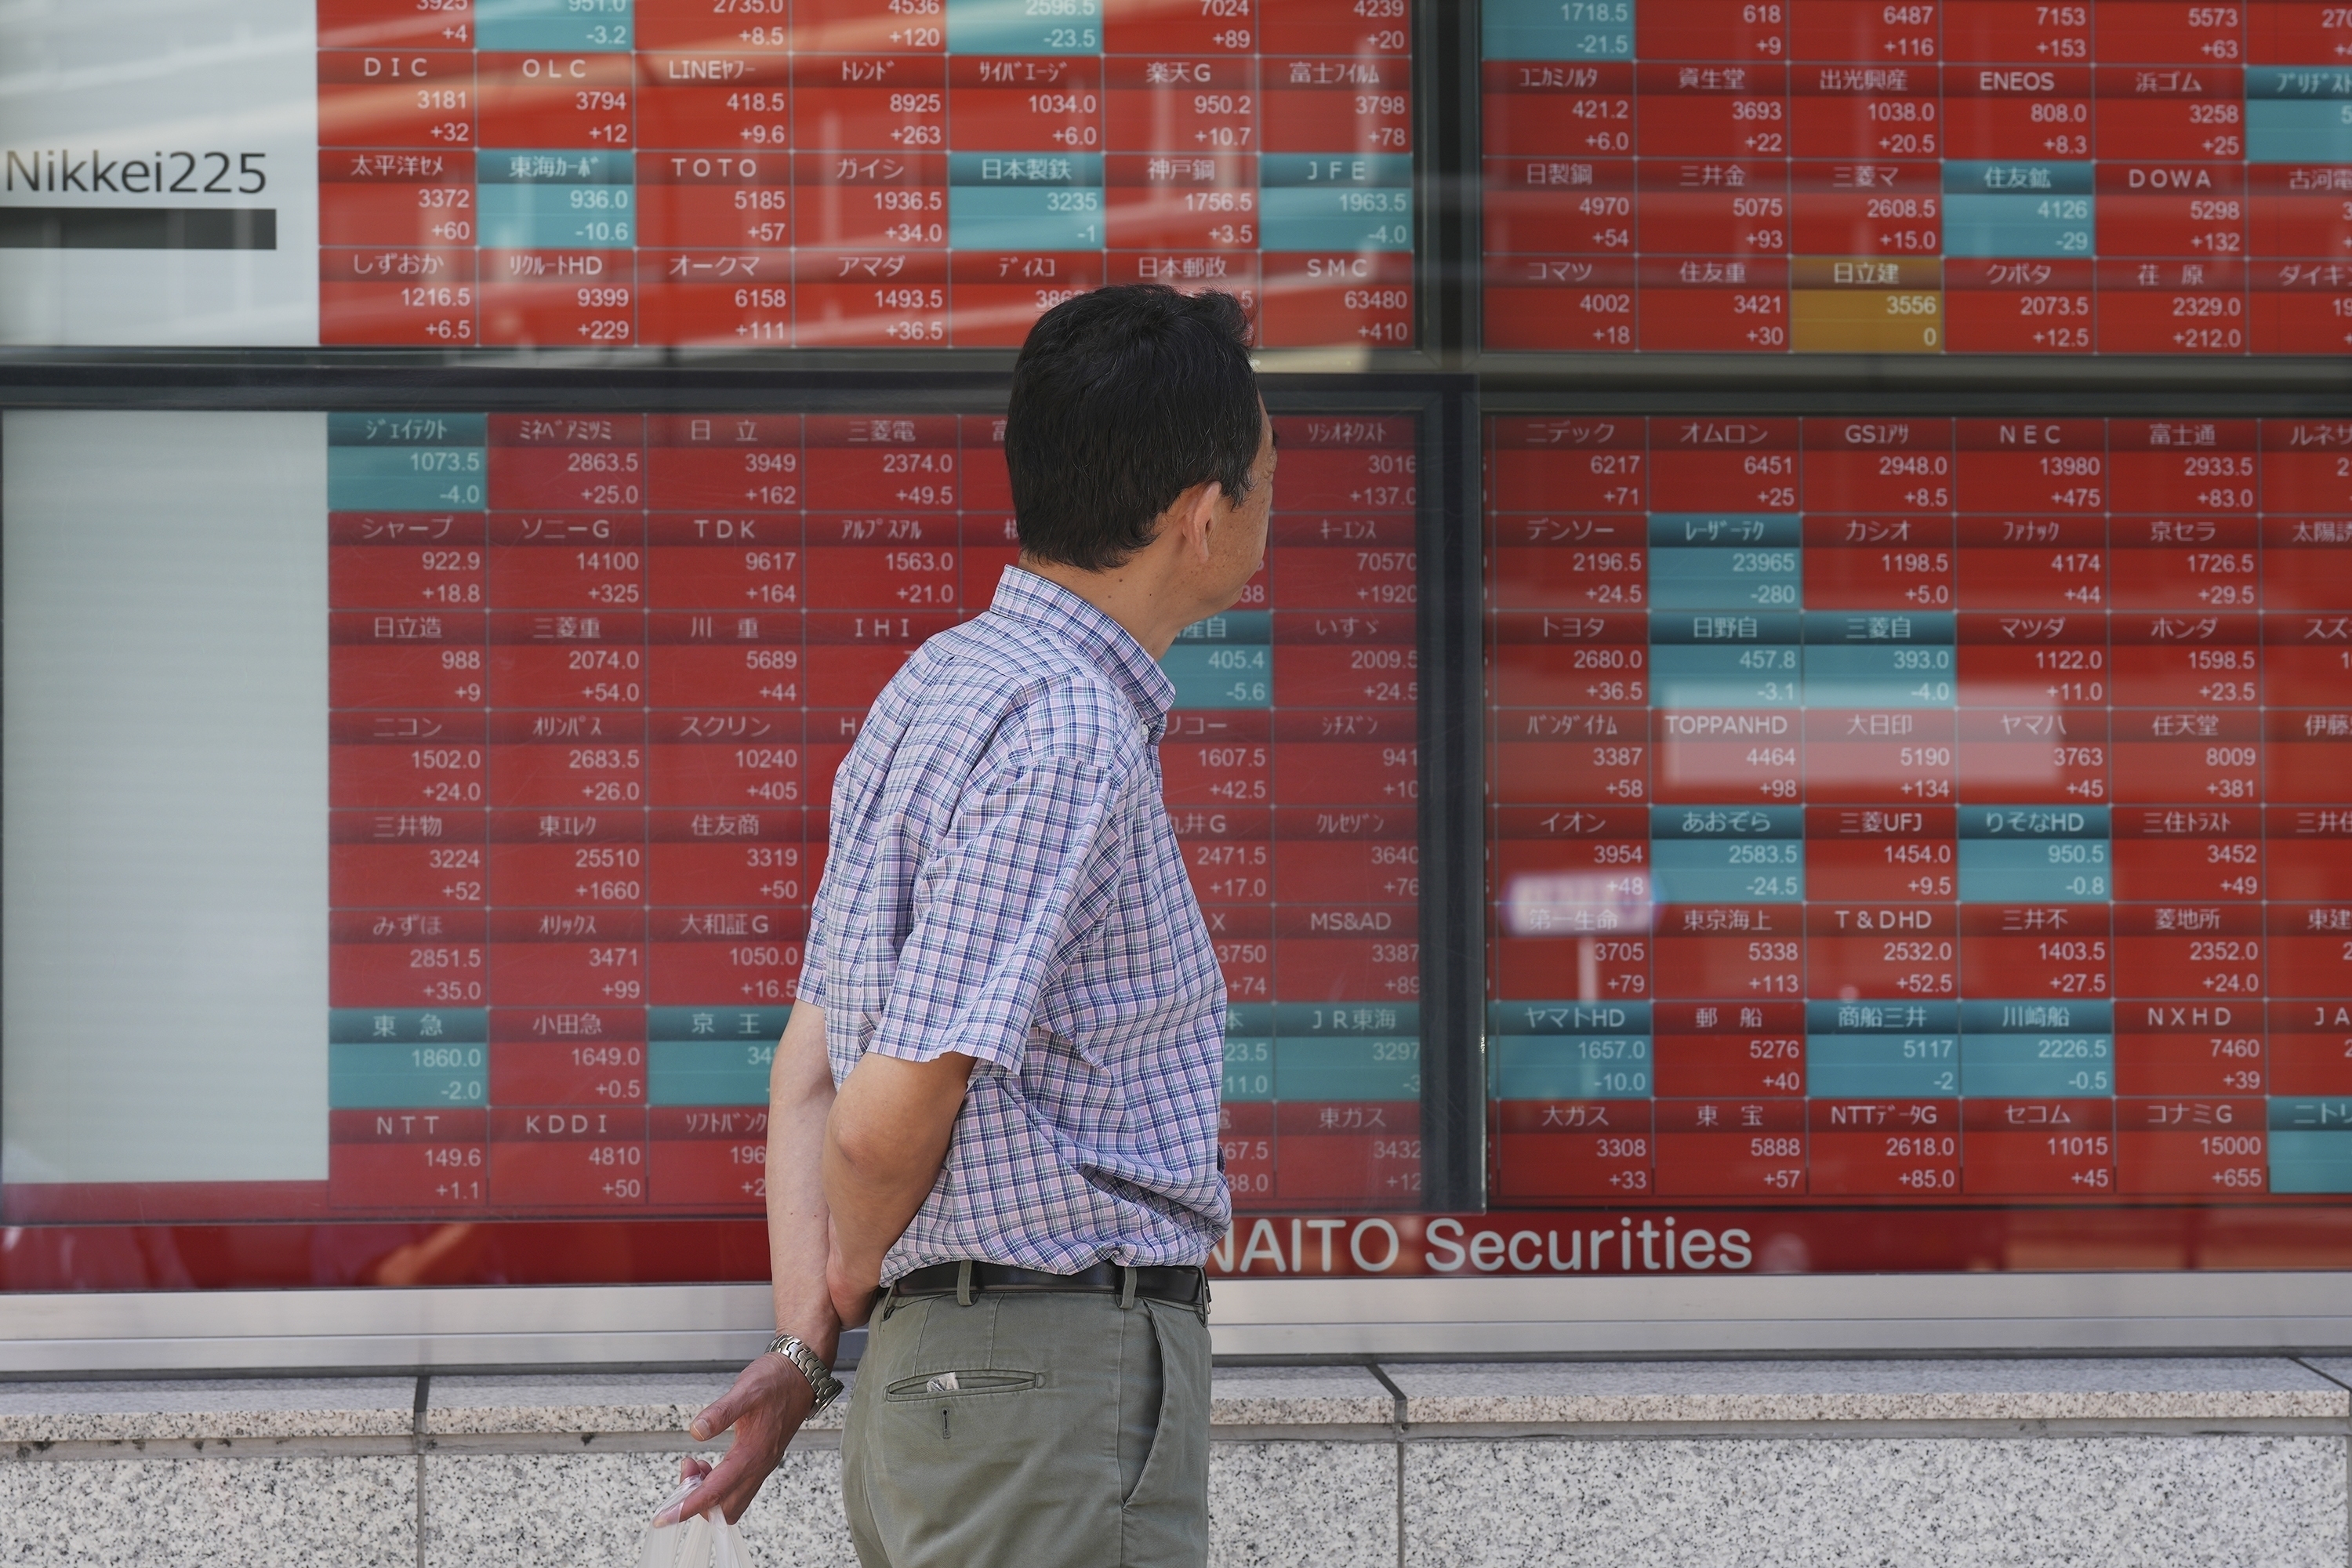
column 766, row 1407
column 770, row 1399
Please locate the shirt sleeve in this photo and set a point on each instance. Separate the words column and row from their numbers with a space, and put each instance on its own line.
column 811, row 989
column 817, row 951
column 1026, row 872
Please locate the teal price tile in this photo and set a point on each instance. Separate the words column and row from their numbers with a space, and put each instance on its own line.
column 2028, row 1066
column 708, row 1072
column 1236, row 675
column 1336, row 218
column 1347, row 202
column 2311, row 1145
column 1025, row 26
column 377, row 1075
column 1875, row 1066
column 1026, row 217
column 2298, row 114
column 1864, row 677
column 1572, row 1066
column 596, row 26
column 2054, row 871
column 1703, row 872
column 1726, row 675
column 1712, row 855
column 407, row 478
column 2026, row 854
column 2025, row 227
column 1340, row 1067
column 1556, row 29
column 2311, row 1162
column 1026, row 201
column 1249, row 1066
column 550, row 199
column 1683, row 577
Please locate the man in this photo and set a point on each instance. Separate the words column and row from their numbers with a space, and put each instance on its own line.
column 997, row 1095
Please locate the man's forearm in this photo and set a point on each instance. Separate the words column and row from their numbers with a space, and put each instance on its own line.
column 884, row 1141
column 770, row 1398
column 800, row 1097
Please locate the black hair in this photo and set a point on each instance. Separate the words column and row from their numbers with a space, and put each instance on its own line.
column 1123, row 399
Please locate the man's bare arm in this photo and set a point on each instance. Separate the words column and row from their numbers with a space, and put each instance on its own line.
column 884, row 1145
column 800, row 1099
column 770, row 1398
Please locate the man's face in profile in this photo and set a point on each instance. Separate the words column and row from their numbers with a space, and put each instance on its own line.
column 1240, row 538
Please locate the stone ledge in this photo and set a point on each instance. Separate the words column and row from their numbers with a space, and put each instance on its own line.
column 655, row 1402
column 1633, row 1400
column 125, row 1449
column 2338, row 1367
column 1525, row 1394
column 207, row 1408
column 1602, row 1434
column 582, row 1403
column 1264, row 1397
column 1254, row 1397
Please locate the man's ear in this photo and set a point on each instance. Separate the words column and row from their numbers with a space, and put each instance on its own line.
column 1198, row 512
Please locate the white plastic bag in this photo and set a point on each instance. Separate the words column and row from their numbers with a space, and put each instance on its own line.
column 698, row 1541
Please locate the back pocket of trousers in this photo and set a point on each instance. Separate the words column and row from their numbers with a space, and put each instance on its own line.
column 960, row 1381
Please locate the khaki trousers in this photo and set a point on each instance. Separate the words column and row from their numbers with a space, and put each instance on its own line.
column 1045, row 1429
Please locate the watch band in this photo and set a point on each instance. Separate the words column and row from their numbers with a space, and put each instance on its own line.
column 821, row 1380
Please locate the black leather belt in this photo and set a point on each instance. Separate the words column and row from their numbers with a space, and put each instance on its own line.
column 1158, row 1282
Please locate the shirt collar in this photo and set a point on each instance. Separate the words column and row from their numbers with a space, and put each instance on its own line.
column 1043, row 602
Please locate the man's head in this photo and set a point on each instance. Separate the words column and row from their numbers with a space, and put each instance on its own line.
column 1126, row 402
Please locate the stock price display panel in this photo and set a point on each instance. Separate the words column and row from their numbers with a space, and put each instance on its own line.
column 837, row 174
column 1884, row 177
column 591, row 678
column 1920, row 811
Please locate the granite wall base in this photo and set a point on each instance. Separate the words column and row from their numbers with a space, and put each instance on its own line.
column 584, row 1510
column 2182, row 1462
column 2183, row 1502
column 350, row 1512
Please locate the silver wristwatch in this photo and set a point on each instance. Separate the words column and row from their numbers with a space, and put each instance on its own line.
column 821, row 1380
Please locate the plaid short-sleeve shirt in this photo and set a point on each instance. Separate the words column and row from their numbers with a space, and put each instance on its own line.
column 1002, row 880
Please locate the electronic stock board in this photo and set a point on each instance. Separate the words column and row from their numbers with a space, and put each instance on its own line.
column 584, row 682
column 1918, row 176
column 1916, row 810
column 703, row 174
column 1910, row 842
